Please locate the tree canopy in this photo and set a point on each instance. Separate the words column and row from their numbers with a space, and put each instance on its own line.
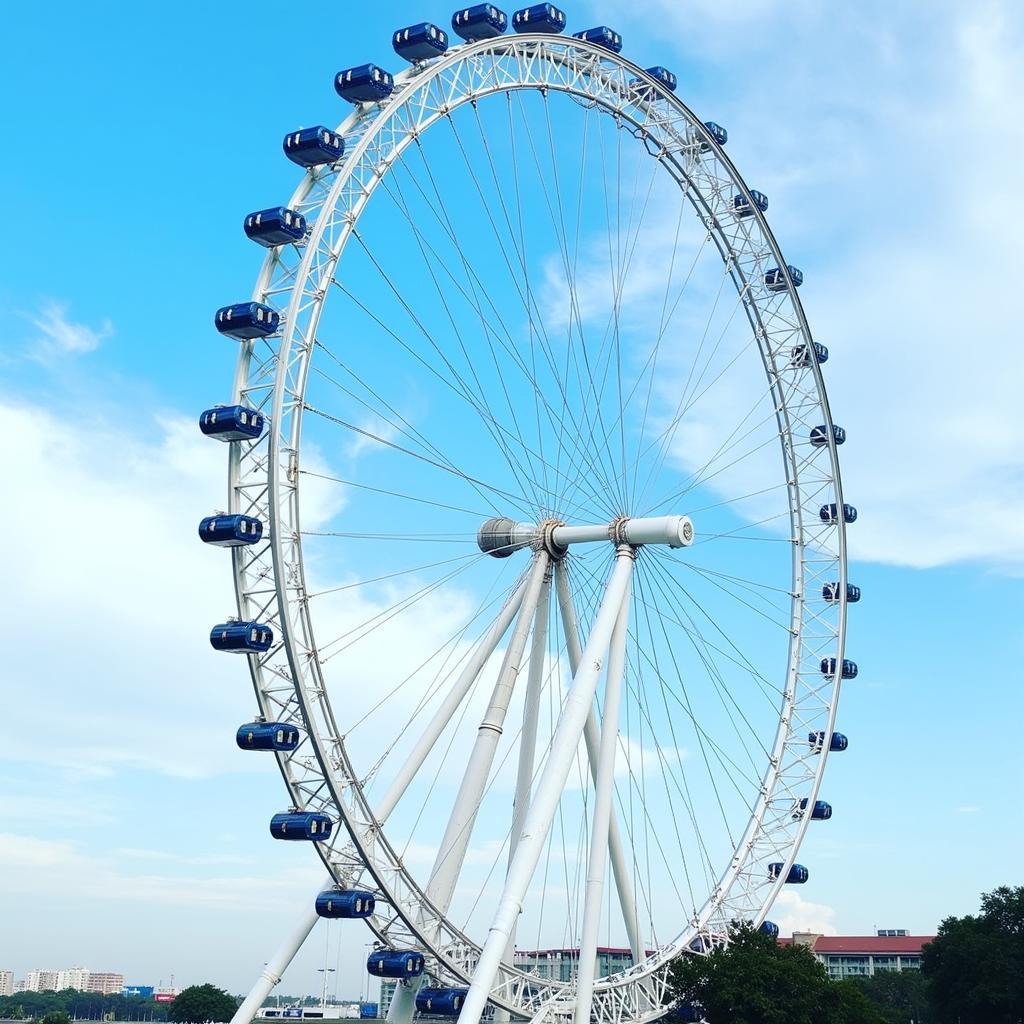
column 898, row 996
column 975, row 966
column 754, row 980
column 198, row 1004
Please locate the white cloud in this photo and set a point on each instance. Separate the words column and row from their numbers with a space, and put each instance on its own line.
column 60, row 336
column 115, row 595
column 32, row 863
column 792, row 913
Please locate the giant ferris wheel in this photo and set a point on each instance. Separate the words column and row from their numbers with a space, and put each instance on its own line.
column 536, row 525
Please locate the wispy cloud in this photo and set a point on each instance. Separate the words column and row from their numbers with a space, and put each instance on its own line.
column 58, row 335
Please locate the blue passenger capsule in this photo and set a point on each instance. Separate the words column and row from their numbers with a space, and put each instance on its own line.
column 769, row 928
column 775, row 279
column 246, row 320
column 828, row 668
column 242, row 637
column 231, row 423
column 661, row 75
column 837, row 742
column 446, row 1002
column 311, row 147
column 276, row 226
column 744, row 209
column 830, row 513
column 345, row 903
column 484, row 21
column 364, row 84
column 717, row 132
column 395, row 963
column 819, row 435
column 539, row 18
column 798, row 874
column 821, row 811
column 420, row 42
column 831, row 592
column 311, row 826
column 267, row 736
column 801, row 355
column 601, row 36
column 230, row 531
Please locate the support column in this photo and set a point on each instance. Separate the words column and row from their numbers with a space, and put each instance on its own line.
column 604, row 788
column 528, row 747
column 452, row 852
column 592, row 738
column 550, row 787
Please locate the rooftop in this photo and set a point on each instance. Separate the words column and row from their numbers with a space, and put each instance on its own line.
column 881, row 944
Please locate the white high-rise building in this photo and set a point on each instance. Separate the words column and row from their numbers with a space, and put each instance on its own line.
column 6, row 983
column 40, row 981
column 73, row 977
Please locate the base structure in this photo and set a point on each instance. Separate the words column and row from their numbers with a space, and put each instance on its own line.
column 536, row 805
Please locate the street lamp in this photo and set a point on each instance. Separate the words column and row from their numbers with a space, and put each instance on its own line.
column 325, row 971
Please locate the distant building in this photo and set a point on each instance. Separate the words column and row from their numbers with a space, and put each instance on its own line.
column 106, row 983
column 551, row 964
column 563, row 964
column 41, row 981
column 19, row 986
column 73, row 977
column 387, row 993
column 852, row 956
column 6, row 983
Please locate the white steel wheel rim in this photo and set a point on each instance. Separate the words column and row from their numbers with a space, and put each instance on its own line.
column 272, row 376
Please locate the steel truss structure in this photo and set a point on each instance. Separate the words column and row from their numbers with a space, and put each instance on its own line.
column 270, row 578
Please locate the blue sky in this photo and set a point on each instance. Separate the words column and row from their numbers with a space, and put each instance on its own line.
column 890, row 144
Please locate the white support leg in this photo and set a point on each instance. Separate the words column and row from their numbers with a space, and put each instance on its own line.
column 548, row 793
column 451, row 703
column 603, row 791
column 452, row 852
column 528, row 746
column 276, row 966
column 592, row 738
column 448, row 865
column 288, row 949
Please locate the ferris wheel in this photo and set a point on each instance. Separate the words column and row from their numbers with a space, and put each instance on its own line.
column 537, row 528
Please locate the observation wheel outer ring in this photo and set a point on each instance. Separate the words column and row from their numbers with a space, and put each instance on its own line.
column 586, row 62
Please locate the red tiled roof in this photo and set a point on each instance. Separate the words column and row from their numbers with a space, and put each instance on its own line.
column 883, row 944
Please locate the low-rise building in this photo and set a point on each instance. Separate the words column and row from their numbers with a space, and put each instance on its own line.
column 851, row 956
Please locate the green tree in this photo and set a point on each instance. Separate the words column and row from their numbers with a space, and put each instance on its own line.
column 200, row 1003
column 18, row 1013
column 754, row 980
column 899, row 996
column 975, row 966
column 56, row 1017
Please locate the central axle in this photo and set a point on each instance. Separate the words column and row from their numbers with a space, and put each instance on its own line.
column 501, row 536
